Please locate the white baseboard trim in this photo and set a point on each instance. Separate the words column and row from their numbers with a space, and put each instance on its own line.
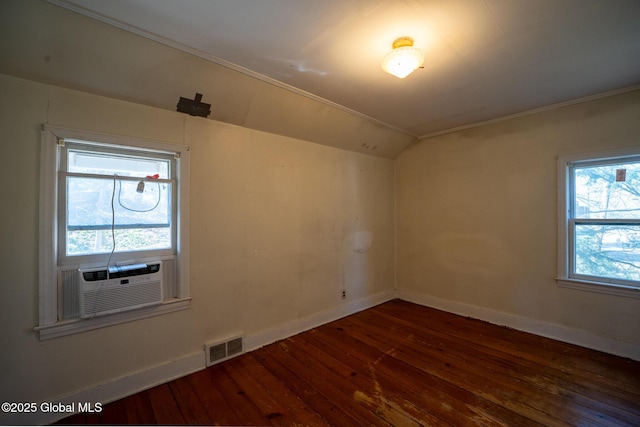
column 276, row 333
column 142, row 380
column 109, row 391
column 129, row 384
column 526, row 324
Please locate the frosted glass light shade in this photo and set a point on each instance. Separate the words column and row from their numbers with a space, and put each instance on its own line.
column 403, row 59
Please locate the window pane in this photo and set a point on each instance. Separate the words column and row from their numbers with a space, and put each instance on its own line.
column 608, row 191
column 608, row 251
column 87, row 242
column 112, row 164
column 142, row 219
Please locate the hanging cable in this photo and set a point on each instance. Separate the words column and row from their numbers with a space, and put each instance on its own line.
column 113, row 221
column 113, row 246
column 137, row 190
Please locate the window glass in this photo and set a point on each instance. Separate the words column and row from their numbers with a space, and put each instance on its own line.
column 116, row 164
column 141, row 220
column 609, row 191
column 605, row 221
column 611, row 251
column 116, row 202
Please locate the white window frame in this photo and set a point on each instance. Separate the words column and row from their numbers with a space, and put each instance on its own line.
column 565, row 277
column 50, row 326
column 98, row 259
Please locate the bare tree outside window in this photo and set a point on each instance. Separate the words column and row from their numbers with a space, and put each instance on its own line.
column 606, row 220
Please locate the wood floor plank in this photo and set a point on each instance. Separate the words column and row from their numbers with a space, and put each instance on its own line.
column 615, row 370
column 464, row 403
column 335, row 381
column 559, row 365
column 604, row 397
column 139, row 410
column 397, row 364
column 212, row 401
column 308, row 391
column 501, row 378
column 191, row 407
column 573, row 369
column 392, row 389
column 364, row 387
column 165, row 409
column 449, row 403
column 497, row 365
column 243, row 408
column 277, row 402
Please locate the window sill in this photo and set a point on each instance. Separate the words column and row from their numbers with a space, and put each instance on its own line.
column 74, row 326
column 604, row 288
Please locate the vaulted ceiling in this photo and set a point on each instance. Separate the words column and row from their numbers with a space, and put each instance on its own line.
column 310, row 69
column 484, row 58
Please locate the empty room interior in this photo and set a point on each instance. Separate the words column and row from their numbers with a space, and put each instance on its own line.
column 252, row 197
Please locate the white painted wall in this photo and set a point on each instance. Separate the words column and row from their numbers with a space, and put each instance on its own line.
column 276, row 233
column 477, row 219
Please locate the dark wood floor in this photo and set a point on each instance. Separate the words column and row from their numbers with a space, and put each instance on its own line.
column 397, row 364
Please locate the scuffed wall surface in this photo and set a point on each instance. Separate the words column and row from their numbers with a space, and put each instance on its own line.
column 477, row 215
column 274, row 226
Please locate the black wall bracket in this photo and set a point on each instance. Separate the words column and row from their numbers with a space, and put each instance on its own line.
column 194, row 107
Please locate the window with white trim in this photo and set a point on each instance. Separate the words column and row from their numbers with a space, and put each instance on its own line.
column 599, row 222
column 113, row 227
column 116, row 201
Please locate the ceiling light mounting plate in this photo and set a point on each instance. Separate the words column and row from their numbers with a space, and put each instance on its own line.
column 402, row 42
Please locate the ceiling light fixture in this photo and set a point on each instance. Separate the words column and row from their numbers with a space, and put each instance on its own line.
column 403, row 59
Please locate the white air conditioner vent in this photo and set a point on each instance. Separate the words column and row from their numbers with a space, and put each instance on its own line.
column 220, row 351
column 104, row 291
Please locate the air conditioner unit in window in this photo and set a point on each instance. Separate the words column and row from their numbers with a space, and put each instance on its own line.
column 122, row 288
